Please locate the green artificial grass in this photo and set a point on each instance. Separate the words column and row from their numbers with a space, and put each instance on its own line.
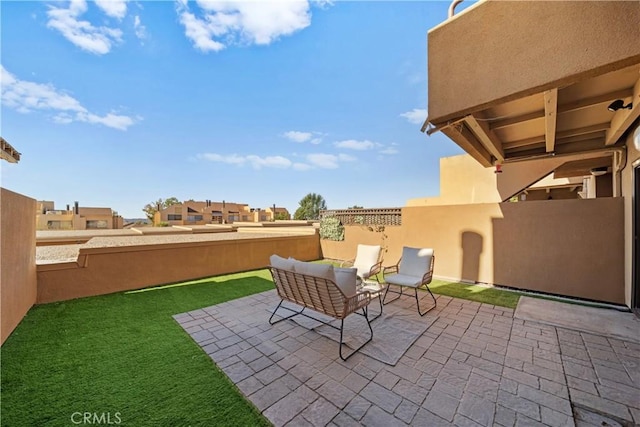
column 123, row 353
column 476, row 293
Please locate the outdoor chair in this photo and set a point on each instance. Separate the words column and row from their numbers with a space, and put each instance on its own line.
column 368, row 262
column 413, row 270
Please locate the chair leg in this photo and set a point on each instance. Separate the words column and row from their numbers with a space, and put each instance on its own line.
column 365, row 312
column 384, row 299
column 418, row 301
column 295, row 313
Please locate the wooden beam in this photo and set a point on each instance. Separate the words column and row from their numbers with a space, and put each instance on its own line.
column 582, row 137
column 594, row 100
column 550, row 118
column 523, row 142
column 563, row 108
column 469, row 143
column 623, row 118
column 499, row 124
column 486, row 137
column 599, row 127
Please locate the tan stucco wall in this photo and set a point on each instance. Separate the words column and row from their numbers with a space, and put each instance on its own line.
column 633, row 155
column 114, row 269
column 462, row 180
column 17, row 259
column 566, row 247
column 516, row 34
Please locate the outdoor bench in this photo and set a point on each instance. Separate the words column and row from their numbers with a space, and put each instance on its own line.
column 320, row 288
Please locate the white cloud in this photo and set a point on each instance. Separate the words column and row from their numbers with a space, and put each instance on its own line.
column 269, row 162
column 302, row 166
column 389, row 150
column 256, row 162
column 83, row 34
column 346, row 158
column 328, row 161
column 416, row 116
column 352, row 144
column 233, row 159
column 325, row 161
column 225, row 23
column 26, row 97
column 139, row 29
column 198, row 31
column 296, row 136
column 313, row 161
column 113, row 8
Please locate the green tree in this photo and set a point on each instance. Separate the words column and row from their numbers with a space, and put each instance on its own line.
column 150, row 209
column 355, row 207
column 310, row 207
column 280, row 216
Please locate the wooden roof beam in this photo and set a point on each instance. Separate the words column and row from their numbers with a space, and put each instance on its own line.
column 550, row 118
column 486, row 137
column 563, row 108
column 462, row 136
column 623, row 118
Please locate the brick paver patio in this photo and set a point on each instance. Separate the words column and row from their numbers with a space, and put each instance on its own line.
column 475, row 366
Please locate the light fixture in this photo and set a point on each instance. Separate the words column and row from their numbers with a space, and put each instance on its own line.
column 498, row 168
column 618, row 104
column 599, row 171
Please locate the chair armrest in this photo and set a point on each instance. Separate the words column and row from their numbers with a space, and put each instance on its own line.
column 428, row 276
column 375, row 269
column 355, row 302
column 391, row 268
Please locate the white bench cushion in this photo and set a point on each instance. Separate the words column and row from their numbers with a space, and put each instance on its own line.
column 346, row 279
column 282, row 263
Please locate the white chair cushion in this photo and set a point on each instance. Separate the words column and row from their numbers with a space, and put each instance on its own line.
column 366, row 257
column 346, row 279
column 415, row 262
column 403, row 280
column 282, row 263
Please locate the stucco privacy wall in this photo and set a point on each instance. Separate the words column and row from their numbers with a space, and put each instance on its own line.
column 470, row 79
column 18, row 259
column 462, row 180
column 566, row 247
column 106, row 270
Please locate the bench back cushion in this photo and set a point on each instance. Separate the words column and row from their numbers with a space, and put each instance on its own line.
column 282, row 263
column 346, row 279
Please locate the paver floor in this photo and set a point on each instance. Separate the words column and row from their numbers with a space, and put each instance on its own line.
column 475, row 366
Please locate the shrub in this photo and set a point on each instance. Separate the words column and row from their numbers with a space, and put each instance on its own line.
column 331, row 229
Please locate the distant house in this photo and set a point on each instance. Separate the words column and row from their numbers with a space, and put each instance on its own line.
column 76, row 218
column 208, row 212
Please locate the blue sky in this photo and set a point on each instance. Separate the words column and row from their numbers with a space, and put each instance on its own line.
column 119, row 103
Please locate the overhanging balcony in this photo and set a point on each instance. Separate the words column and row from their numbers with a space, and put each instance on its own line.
column 517, row 80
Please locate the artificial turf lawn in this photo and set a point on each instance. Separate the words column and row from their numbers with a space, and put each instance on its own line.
column 123, row 353
column 476, row 293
